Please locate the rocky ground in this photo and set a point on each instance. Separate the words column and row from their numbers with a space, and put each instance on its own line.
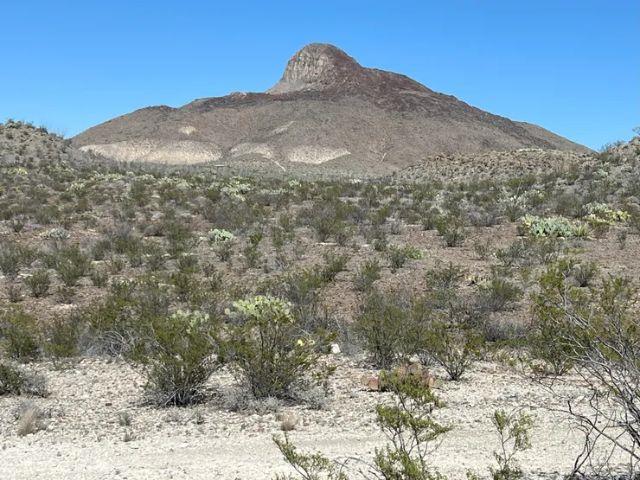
column 97, row 426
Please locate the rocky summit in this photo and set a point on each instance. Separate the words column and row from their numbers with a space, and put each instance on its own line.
column 326, row 113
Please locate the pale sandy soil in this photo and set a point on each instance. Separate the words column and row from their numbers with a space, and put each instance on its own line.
column 84, row 439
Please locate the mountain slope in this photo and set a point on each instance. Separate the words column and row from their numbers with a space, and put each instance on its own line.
column 325, row 110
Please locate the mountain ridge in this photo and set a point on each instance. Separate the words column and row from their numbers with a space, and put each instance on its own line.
column 325, row 109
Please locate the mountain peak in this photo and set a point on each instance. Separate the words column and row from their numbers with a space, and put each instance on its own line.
column 317, row 66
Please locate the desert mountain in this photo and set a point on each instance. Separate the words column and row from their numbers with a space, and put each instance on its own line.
column 326, row 110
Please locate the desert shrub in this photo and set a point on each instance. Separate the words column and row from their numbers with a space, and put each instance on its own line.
column 61, row 336
column 15, row 381
column 444, row 278
column 302, row 289
column 430, row 219
column 451, row 228
column 498, row 294
column 179, row 357
column 31, row 419
column 20, row 334
column 11, row 380
column 407, row 423
column 99, row 277
column 398, row 255
column 38, row 283
column 333, row 264
column 584, row 273
column 251, row 251
column 71, row 264
column 10, row 260
column 598, row 331
column 14, row 292
column 366, row 275
column 452, row 347
column 116, row 324
column 411, row 430
column 483, row 250
column 268, row 347
column 513, row 430
column 390, row 326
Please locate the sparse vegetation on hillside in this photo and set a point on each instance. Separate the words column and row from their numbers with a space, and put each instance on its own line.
column 189, row 275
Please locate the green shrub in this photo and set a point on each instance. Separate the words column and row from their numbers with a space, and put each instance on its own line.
column 366, row 275
column 452, row 347
column 11, row 380
column 546, row 341
column 498, row 294
column 302, row 289
column 411, row 429
column 15, row 381
column 38, row 283
column 269, row 349
column 179, row 356
column 513, row 431
column 71, row 264
column 390, row 327
column 99, row 277
column 333, row 264
column 445, row 278
column 251, row 251
column 20, row 333
column 451, row 228
column 408, row 424
column 62, row 335
column 10, row 260
column 398, row 256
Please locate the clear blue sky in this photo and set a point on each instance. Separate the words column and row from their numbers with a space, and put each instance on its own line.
column 570, row 66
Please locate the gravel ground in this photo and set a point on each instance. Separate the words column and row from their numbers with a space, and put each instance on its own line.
column 85, row 437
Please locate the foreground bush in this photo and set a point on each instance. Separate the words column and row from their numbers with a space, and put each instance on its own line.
column 268, row 347
column 409, row 427
column 597, row 333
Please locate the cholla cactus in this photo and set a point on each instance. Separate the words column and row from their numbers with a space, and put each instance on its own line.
column 219, row 235
column 57, row 234
column 236, row 189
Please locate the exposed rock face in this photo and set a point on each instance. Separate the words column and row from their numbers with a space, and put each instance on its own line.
column 326, row 110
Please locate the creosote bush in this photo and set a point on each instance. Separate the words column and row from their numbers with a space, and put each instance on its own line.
column 19, row 334
column 179, row 357
column 596, row 332
column 386, row 326
column 269, row 349
column 38, row 283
